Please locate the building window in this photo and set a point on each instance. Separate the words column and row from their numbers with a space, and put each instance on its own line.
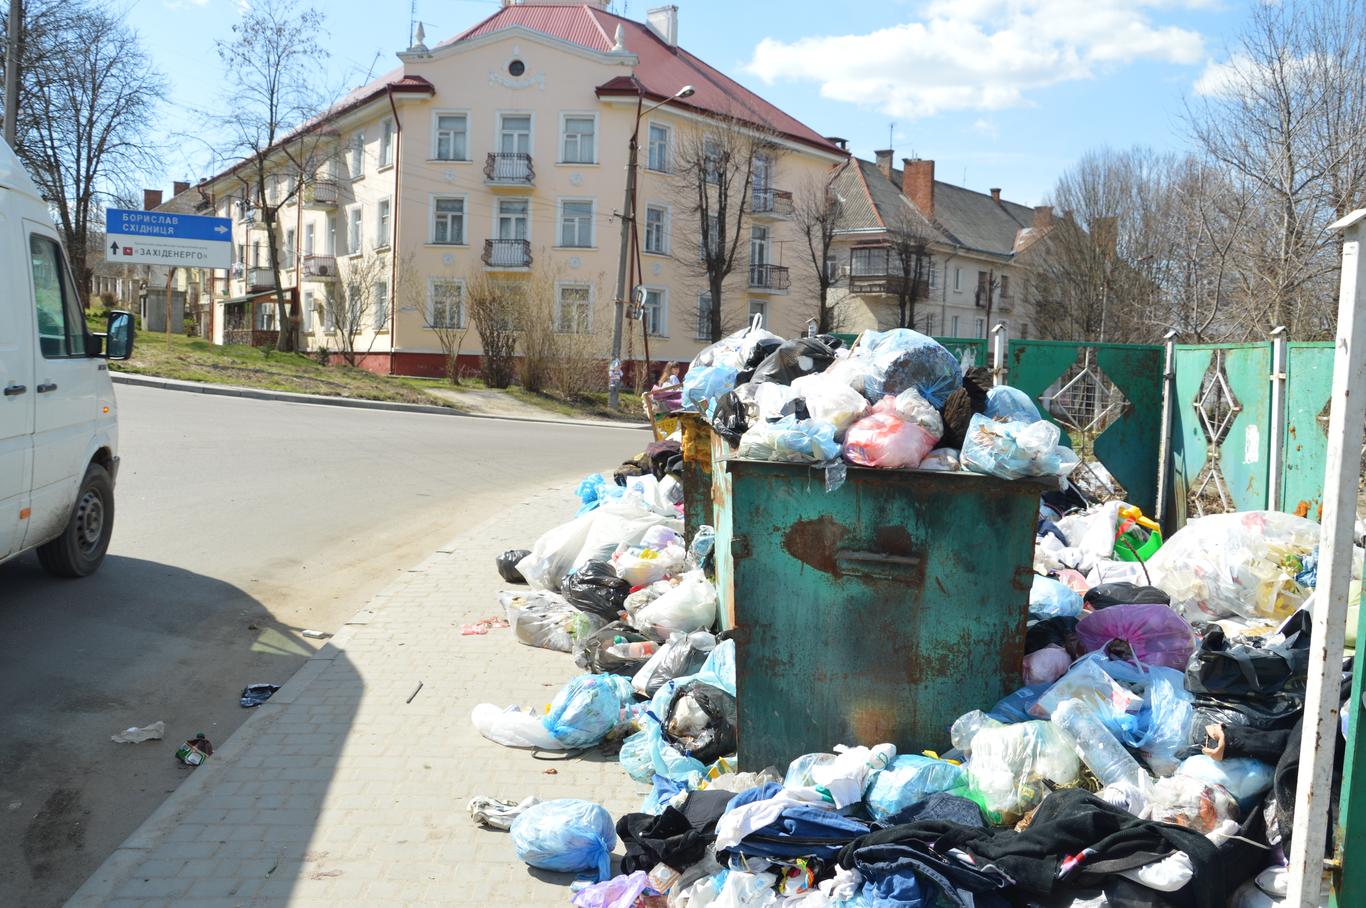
column 447, row 304
column 514, row 134
column 759, row 308
column 358, row 155
column 574, row 309
column 704, row 331
column 516, row 68
column 1005, row 286
column 309, row 233
column 331, row 248
column 983, row 288
column 929, row 324
column 380, row 299
column 386, row 143
column 957, row 280
column 712, row 160
column 382, row 224
column 576, row 223
column 265, row 315
column 655, row 234
column 449, row 225
column 832, row 269
column 306, row 301
column 1024, row 330
column 579, row 137
column 954, row 332
column 981, row 327
column 512, row 219
column 353, row 228
column 934, row 274
column 288, row 257
column 329, row 313
column 452, row 137
column 657, row 157
column 655, row 312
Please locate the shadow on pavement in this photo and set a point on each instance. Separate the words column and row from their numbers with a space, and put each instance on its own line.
column 138, row 642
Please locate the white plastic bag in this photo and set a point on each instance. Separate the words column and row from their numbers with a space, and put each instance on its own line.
column 640, row 565
column 790, row 440
column 618, row 525
column 689, row 606
column 941, row 460
column 681, row 655
column 911, row 406
column 553, row 554
column 1009, row 764
column 831, row 399
column 773, row 400
column 511, row 727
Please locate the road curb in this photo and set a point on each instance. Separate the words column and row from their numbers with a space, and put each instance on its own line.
column 173, row 384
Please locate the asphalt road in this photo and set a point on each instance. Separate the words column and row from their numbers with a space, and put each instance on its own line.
column 239, row 524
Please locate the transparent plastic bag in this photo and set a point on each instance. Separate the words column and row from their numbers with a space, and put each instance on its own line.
column 831, row 400
column 587, row 709
column 903, row 359
column 941, row 460
column 1010, row 764
column 1241, row 565
column 682, row 654
column 908, row 780
column 799, row 770
column 967, row 725
column 1243, row 777
column 1189, row 802
column 912, row 407
column 853, row 371
column 1013, row 449
column 542, row 618
column 704, row 386
column 634, row 757
column 1049, row 598
column 1098, row 749
column 790, row 440
column 774, row 401
column 1005, row 402
column 1088, row 682
column 554, row 553
column 689, row 606
column 641, row 565
column 567, row 836
column 734, row 350
column 883, row 439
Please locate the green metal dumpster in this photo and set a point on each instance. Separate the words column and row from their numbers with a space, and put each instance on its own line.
column 881, row 611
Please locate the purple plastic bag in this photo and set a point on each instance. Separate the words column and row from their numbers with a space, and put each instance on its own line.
column 1156, row 634
column 1046, row 665
column 618, row 892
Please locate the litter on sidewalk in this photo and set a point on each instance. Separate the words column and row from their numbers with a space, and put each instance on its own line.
column 256, row 694
column 1145, row 752
column 135, row 735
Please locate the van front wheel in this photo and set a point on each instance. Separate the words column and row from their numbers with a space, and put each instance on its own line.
column 81, row 547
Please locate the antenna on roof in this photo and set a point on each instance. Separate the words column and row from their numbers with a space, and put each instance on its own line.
column 891, row 129
column 371, row 73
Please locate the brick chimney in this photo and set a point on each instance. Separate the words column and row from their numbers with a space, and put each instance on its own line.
column 1043, row 217
column 883, row 157
column 996, row 194
column 917, row 183
column 151, row 198
column 839, row 142
column 179, row 187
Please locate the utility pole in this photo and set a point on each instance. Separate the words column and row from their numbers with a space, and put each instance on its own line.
column 16, row 28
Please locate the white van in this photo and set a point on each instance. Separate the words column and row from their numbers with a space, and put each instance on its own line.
column 58, row 420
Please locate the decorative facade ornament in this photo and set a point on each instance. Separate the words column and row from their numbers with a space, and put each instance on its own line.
column 575, row 262
column 575, row 179
column 536, row 81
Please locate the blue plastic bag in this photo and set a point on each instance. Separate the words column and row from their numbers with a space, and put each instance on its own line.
column 594, row 490
column 704, row 386
column 566, row 835
column 1014, row 707
column 667, row 760
column 1014, row 449
column 1049, row 598
column 1005, row 402
column 790, row 440
column 635, row 758
column 903, row 359
column 587, row 708
column 909, row 779
column 1245, row 778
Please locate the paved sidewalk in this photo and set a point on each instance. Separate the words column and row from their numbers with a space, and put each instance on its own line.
column 339, row 792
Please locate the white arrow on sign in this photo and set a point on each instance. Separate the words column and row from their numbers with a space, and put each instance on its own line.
column 220, row 229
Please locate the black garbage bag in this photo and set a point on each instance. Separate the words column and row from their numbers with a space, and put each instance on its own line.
column 1059, row 631
column 1105, row 595
column 1246, row 668
column 507, row 565
column 762, row 350
column 595, row 588
column 962, row 403
column 831, row 341
column 701, row 722
column 591, row 654
column 794, row 359
column 731, row 418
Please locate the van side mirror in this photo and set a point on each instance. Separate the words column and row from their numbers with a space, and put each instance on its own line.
column 118, row 342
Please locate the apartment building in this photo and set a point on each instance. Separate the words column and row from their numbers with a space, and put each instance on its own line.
column 503, row 152
column 974, row 250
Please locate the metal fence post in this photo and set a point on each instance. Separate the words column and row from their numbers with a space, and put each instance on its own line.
column 1345, row 425
column 1164, row 439
column 998, row 358
column 1276, row 444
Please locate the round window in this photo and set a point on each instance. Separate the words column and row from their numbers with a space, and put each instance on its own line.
column 516, row 67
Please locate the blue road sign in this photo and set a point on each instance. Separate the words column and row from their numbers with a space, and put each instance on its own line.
column 167, row 238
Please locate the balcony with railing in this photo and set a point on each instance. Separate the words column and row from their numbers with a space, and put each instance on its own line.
column 768, row 277
column 260, row 279
column 771, row 203
column 876, row 271
column 322, row 193
column 507, row 253
column 320, row 267
column 503, row 168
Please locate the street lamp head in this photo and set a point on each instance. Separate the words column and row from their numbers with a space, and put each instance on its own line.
column 685, row 92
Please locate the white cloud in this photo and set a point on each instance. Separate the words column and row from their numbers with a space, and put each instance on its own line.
column 978, row 54
column 1218, row 78
column 986, row 128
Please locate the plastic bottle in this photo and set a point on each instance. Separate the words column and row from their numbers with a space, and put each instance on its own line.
column 1098, row 749
column 643, row 649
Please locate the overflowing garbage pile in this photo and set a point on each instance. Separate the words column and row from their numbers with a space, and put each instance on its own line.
column 895, row 400
column 1149, row 756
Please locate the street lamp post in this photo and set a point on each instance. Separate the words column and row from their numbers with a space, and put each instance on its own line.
column 627, row 218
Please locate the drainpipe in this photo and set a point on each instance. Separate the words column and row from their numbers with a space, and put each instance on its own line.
column 393, row 234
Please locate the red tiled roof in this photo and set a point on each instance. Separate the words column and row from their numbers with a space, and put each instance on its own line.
column 662, row 69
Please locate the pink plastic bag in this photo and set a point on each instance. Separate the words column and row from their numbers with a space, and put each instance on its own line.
column 883, row 439
column 1046, row 665
column 1156, row 634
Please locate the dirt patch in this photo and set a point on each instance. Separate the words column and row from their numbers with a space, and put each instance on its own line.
column 58, row 828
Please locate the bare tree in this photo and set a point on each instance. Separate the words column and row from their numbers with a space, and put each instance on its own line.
column 360, row 307
column 714, row 180
column 274, row 62
column 908, row 263
column 493, row 306
column 816, row 215
column 443, row 308
column 87, row 96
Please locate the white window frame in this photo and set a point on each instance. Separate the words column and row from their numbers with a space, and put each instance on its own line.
column 662, row 328
column 758, row 307
column 310, row 239
column 432, row 215
column 559, row 223
column 934, row 275
column 668, row 146
column 664, row 226
column 698, row 333
column 957, row 279
column 386, row 143
column 290, row 251
column 432, row 283
column 981, row 327
column 512, row 198
column 955, row 327
column 436, row 135
column 565, row 116
column 384, row 232
column 380, row 317
column 330, row 235
column 355, row 238
column 329, row 311
column 356, row 155
column 498, row 129
column 306, row 303
column 560, row 287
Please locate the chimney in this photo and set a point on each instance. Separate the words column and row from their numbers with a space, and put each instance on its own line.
column 883, row 156
column 917, row 184
column 1043, row 217
column 996, row 194
column 151, row 199
column 839, row 142
column 663, row 21
column 179, row 187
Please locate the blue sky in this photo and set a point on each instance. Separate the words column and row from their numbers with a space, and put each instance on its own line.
column 998, row 92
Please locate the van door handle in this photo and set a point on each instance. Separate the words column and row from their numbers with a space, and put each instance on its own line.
column 46, row 387
column 12, row 390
